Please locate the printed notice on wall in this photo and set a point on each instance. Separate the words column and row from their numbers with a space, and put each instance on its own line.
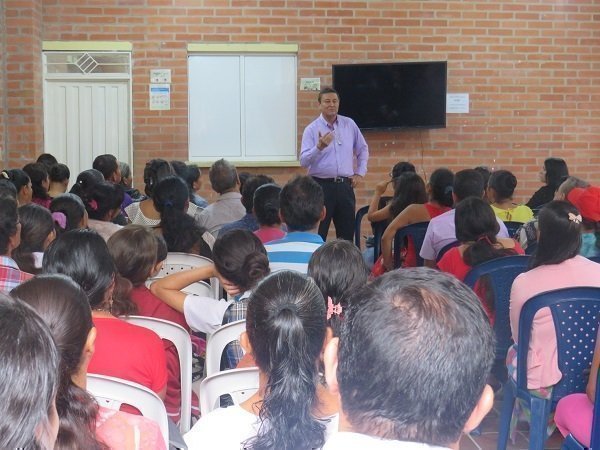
column 457, row 103
column 160, row 97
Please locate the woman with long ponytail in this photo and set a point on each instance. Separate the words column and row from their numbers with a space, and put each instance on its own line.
column 285, row 333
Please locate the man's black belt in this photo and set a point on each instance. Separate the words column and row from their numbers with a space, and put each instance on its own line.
column 334, row 180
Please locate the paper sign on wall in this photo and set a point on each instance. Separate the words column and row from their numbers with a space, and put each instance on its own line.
column 457, row 103
column 160, row 97
column 160, row 76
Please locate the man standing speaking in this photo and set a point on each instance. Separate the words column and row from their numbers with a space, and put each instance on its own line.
column 336, row 154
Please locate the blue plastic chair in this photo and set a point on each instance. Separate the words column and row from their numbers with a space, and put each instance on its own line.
column 512, row 228
column 378, row 230
column 575, row 313
column 531, row 248
column 501, row 273
column 570, row 443
column 416, row 232
column 596, row 259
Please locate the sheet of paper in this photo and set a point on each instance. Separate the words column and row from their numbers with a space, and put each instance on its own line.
column 457, row 103
column 160, row 97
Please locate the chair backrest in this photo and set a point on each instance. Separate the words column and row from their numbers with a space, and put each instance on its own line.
column 181, row 340
column 218, row 341
column 531, row 248
column 512, row 227
column 416, row 232
column 378, row 230
column 239, row 383
column 501, row 273
column 445, row 249
column 596, row 259
column 575, row 313
column 178, row 262
column 112, row 392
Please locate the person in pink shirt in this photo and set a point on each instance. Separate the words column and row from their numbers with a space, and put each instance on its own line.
column 574, row 413
column 266, row 210
column 556, row 264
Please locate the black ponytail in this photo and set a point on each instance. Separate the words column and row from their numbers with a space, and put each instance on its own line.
column 286, row 328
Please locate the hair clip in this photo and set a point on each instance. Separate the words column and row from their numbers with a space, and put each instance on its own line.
column 4, row 174
column 60, row 219
column 485, row 238
column 575, row 218
column 449, row 189
column 333, row 309
column 93, row 204
column 169, row 204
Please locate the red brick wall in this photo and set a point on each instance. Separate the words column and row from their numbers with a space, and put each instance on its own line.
column 531, row 68
column 23, row 118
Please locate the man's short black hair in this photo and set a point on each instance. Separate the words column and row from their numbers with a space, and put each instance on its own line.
column 223, row 176
column 327, row 90
column 8, row 222
column 467, row 183
column 301, row 203
column 107, row 164
column 250, row 186
column 414, row 354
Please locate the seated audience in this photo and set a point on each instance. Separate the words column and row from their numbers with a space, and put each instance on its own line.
column 29, row 360
column 266, row 211
column 48, row 160
column 240, row 262
column 111, row 171
column 103, row 205
column 439, row 191
column 59, row 180
column 144, row 212
column 127, row 181
column 574, row 413
column 7, row 189
column 285, row 333
column 553, row 173
column 68, row 212
column 64, row 307
column 138, row 254
column 85, row 181
column 302, row 207
column 123, row 350
column 228, row 207
column 22, row 184
column 181, row 232
column 500, row 190
column 476, row 230
column 587, row 201
column 408, row 188
column 248, row 222
column 556, row 264
column 37, row 232
column 440, row 231
column 338, row 270
column 10, row 237
column 527, row 234
column 40, row 182
column 406, row 335
column 190, row 173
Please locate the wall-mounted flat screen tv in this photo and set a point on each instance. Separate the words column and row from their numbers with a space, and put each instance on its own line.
column 393, row 95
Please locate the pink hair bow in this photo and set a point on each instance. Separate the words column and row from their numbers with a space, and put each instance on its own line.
column 333, row 309
column 60, row 219
column 93, row 204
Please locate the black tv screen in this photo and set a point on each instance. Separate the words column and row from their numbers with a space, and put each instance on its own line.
column 393, row 95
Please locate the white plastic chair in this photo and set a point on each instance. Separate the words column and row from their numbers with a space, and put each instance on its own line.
column 241, row 384
column 178, row 262
column 181, row 339
column 112, row 392
column 200, row 288
column 217, row 342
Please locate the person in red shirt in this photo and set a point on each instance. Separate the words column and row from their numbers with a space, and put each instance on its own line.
column 138, row 254
column 476, row 230
column 123, row 350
